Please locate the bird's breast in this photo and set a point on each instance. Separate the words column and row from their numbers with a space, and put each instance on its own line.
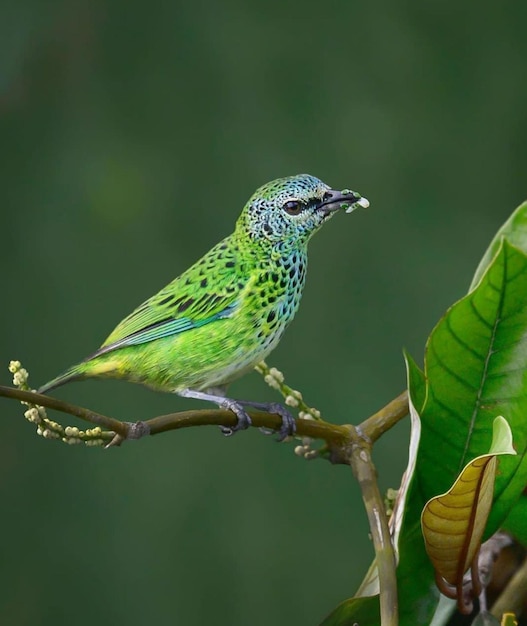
column 277, row 292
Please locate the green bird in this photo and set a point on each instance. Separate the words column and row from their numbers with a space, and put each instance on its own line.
column 218, row 319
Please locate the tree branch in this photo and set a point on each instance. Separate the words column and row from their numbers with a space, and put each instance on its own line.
column 377, row 424
column 88, row 415
column 336, row 436
column 346, row 444
column 366, row 475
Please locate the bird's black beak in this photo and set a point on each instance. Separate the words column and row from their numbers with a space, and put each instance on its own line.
column 334, row 200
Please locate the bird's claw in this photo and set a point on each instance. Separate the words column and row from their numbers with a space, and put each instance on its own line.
column 244, row 421
column 288, row 426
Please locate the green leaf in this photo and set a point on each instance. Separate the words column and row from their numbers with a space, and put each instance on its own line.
column 514, row 230
column 501, row 437
column 475, row 369
column 515, row 523
column 416, row 382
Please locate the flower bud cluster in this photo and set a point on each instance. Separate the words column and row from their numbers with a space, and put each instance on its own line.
column 48, row 428
column 20, row 375
column 305, row 451
column 293, row 398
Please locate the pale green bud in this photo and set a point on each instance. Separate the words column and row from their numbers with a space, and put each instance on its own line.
column 32, row 415
column 42, row 412
column 300, row 450
column 71, row 440
column 20, row 377
column 94, row 442
column 276, row 374
column 49, row 434
column 291, row 400
column 14, row 366
column 271, row 381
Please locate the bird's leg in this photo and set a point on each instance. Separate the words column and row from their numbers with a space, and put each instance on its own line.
column 244, row 421
column 288, row 427
column 215, row 395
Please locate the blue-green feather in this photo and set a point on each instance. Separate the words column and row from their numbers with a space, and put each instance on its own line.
column 163, row 328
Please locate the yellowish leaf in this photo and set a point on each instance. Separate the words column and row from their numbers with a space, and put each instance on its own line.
column 453, row 523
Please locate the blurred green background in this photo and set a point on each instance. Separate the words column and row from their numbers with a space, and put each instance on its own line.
column 131, row 136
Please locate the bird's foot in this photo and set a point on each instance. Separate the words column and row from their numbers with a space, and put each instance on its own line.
column 288, row 427
column 244, row 421
column 216, row 395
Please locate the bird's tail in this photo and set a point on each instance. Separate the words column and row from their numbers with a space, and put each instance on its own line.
column 73, row 373
column 95, row 366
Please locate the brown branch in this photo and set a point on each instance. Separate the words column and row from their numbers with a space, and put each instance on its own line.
column 366, row 475
column 64, row 407
column 338, row 437
column 335, row 436
column 377, row 424
column 346, row 444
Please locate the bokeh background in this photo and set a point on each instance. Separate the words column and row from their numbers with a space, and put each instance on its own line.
column 131, row 136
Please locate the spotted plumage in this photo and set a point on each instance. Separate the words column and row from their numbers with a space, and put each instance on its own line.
column 225, row 313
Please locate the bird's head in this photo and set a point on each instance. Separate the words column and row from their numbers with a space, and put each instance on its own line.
column 290, row 210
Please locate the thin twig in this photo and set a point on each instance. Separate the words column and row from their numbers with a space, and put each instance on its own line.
column 377, row 424
column 366, row 475
column 64, row 407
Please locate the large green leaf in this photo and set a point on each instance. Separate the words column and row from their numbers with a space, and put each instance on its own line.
column 475, row 369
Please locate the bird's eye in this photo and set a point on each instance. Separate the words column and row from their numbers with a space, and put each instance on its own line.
column 293, row 207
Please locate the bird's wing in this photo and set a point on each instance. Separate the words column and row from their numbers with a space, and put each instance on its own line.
column 182, row 305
